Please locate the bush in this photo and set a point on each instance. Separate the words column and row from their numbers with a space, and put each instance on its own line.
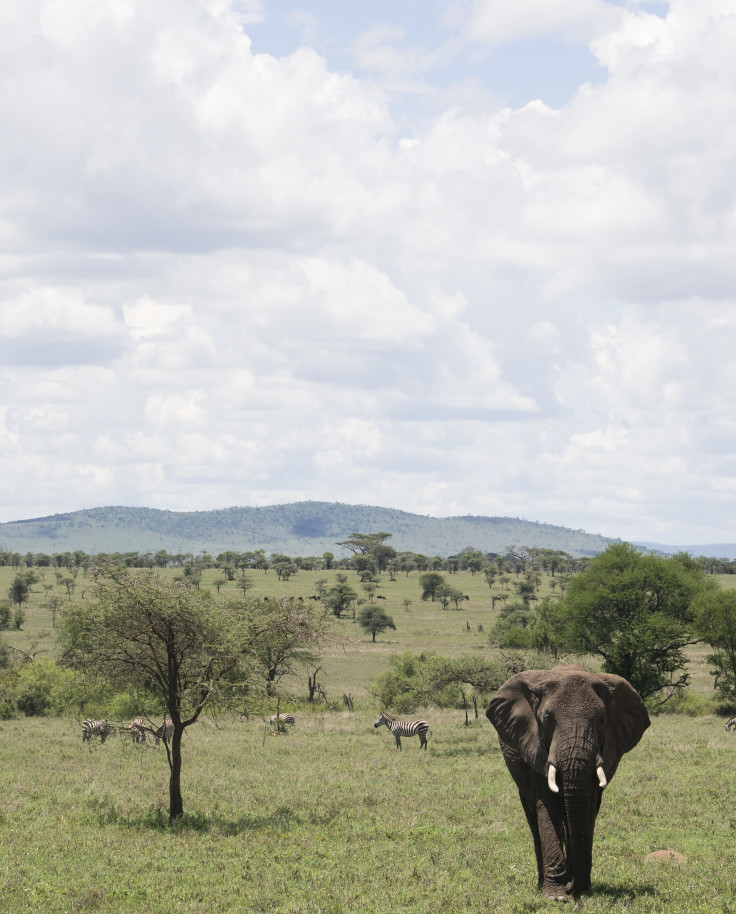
column 417, row 680
column 5, row 613
column 40, row 687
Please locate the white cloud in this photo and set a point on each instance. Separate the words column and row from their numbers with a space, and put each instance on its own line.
column 235, row 277
column 497, row 22
column 56, row 312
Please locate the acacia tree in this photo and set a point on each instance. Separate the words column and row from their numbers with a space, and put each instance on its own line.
column 375, row 620
column 168, row 640
column 292, row 634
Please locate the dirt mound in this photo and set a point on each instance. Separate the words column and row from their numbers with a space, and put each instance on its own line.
column 666, row 855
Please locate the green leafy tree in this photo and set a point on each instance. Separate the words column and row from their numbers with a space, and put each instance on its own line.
column 447, row 594
column 375, row 620
column 339, row 598
column 291, row 637
column 176, row 643
column 715, row 620
column 634, row 611
column 431, row 582
column 21, row 586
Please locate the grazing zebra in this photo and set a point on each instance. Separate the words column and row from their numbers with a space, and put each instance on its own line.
column 92, row 728
column 286, row 718
column 137, row 730
column 401, row 728
column 164, row 732
column 731, row 725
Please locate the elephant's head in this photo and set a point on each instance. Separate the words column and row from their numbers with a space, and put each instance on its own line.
column 570, row 728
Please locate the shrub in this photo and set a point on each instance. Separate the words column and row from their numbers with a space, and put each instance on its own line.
column 41, row 687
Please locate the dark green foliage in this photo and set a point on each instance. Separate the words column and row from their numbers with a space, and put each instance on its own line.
column 715, row 619
column 430, row 583
column 634, row 611
column 512, row 626
column 339, row 598
column 416, row 680
column 21, row 586
column 375, row 620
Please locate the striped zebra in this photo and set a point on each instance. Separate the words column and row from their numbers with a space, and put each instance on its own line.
column 286, row 718
column 137, row 730
column 731, row 724
column 164, row 732
column 92, row 728
column 401, row 728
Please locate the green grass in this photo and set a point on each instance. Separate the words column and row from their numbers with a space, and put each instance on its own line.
column 331, row 818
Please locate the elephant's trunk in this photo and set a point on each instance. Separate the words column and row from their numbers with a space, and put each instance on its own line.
column 580, row 782
column 579, row 822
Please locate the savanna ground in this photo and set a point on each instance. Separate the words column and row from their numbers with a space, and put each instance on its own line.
column 329, row 817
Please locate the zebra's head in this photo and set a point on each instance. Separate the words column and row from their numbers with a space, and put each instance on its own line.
column 383, row 719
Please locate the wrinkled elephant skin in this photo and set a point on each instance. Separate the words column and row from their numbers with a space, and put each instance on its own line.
column 563, row 732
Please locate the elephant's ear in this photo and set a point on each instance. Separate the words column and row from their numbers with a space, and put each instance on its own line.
column 512, row 713
column 627, row 720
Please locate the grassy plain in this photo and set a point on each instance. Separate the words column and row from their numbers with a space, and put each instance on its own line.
column 329, row 817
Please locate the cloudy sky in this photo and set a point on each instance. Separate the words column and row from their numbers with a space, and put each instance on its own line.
column 449, row 256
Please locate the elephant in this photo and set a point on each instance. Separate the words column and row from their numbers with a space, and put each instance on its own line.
column 562, row 733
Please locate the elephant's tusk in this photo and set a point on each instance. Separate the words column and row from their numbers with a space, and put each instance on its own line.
column 601, row 776
column 551, row 782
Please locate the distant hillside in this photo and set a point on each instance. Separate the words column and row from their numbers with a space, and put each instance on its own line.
column 303, row 528
column 712, row 550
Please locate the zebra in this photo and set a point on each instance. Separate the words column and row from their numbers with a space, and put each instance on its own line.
column 92, row 728
column 164, row 732
column 286, row 718
column 137, row 730
column 401, row 728
column 731, row 724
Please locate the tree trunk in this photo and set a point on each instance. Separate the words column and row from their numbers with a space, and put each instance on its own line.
column 176, row 804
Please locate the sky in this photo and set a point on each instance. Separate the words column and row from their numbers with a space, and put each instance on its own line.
column 448, row 256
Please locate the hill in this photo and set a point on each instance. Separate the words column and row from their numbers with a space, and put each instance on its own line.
column 301, row 528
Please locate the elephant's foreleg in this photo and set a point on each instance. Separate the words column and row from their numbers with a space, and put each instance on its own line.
column 529, row 806
column 553, row 871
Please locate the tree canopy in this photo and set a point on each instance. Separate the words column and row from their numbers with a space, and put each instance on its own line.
column 375, row 620
column 635, row 612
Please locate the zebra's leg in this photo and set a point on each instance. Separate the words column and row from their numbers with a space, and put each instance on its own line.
column 397, row 737
column 422, row 742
